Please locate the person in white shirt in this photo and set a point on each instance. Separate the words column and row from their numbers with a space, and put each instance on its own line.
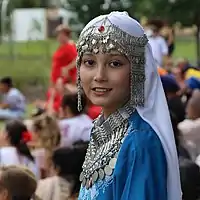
column 159, row 47
column 75, row 125
column 13, row 102
column 13, row 147
column 190, row 127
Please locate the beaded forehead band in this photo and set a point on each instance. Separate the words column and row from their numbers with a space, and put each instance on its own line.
column 108, row 37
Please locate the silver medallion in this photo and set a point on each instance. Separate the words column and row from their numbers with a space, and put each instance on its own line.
column 112, row 163
column 96, row 51
column 101, row 174
column 101, row 159
column 108, row 170
column 88, row 184
column 81, row 177
column 95, row 177
column 84, row 182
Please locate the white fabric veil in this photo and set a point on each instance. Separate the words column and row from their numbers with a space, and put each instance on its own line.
column 155, row 110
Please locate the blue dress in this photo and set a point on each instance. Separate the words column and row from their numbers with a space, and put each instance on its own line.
column 141, row 169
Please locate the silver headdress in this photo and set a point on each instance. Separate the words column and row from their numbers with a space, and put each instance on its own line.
column 107, row 37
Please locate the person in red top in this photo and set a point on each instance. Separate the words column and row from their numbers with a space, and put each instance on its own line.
column 63, row 69
column 64, row 58
column 53, row 100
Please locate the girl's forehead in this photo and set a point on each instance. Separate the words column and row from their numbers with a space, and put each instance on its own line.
column 111, row 53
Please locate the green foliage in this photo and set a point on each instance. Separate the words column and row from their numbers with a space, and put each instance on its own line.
column 185, row 11
column 92, row 8
column 26, row 3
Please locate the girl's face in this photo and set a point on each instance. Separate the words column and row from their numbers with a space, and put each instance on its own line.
column 105, row 79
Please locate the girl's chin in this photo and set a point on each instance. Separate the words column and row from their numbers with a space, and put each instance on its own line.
column 100, row 102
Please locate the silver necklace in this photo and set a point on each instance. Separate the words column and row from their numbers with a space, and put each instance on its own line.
column 106, row 139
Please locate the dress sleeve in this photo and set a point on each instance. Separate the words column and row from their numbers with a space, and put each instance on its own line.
column 147, row 172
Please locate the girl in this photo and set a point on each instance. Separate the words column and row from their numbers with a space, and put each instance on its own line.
column 14, row 149
column 46, row 137
column 132, row 153
column 64, row 184
column 75, row 125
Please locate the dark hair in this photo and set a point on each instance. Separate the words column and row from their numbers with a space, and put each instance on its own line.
column 69, row 161
column 7, row 81
column 15, row 130
column 20, row 183
column 174, row 122
column 71, row 100
column 181, row 150
column 190, row 179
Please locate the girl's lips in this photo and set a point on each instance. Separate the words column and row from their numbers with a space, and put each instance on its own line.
column 101, row 91
column 97, row 89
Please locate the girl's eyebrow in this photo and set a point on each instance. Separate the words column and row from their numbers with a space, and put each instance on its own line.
column 115, row 54
column 88, row 54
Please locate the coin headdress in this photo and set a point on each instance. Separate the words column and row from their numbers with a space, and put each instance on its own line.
column 106, row 37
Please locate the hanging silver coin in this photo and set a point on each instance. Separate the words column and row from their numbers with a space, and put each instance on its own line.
column 101, row 174
column 81, row 177
column 95, row 177
column 112, row 163
column 84, row 182
column 88, row 184
column 108, row 170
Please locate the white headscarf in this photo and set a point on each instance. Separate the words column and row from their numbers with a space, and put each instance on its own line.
column 155, row 111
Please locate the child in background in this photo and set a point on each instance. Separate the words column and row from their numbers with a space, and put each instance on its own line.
column 17, row 183
column 46, row 137
column 67, row 165
column 54, row 97
column 75, row 125
column 14, row 149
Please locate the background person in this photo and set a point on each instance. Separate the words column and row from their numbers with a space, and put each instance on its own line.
column 13, row 102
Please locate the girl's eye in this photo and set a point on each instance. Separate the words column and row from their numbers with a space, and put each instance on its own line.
column 89, row 63
column 115, row 64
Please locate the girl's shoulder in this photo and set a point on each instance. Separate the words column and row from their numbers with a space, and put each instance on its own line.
column 9, row 156
column 141, row 134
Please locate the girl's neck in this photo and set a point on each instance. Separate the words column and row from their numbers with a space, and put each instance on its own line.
column 110, row 110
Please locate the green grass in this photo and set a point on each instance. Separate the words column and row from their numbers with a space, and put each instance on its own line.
column 185, row 47
column 32, row 60
column 29, row 110
column 37, row 48
column 31, row 66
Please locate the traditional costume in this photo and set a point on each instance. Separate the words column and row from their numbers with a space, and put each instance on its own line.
column 132, row 154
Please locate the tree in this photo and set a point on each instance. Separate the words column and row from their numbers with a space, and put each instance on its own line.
column 92, row 8
column 26, row 4
column 184, row 11
column 187, row 12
